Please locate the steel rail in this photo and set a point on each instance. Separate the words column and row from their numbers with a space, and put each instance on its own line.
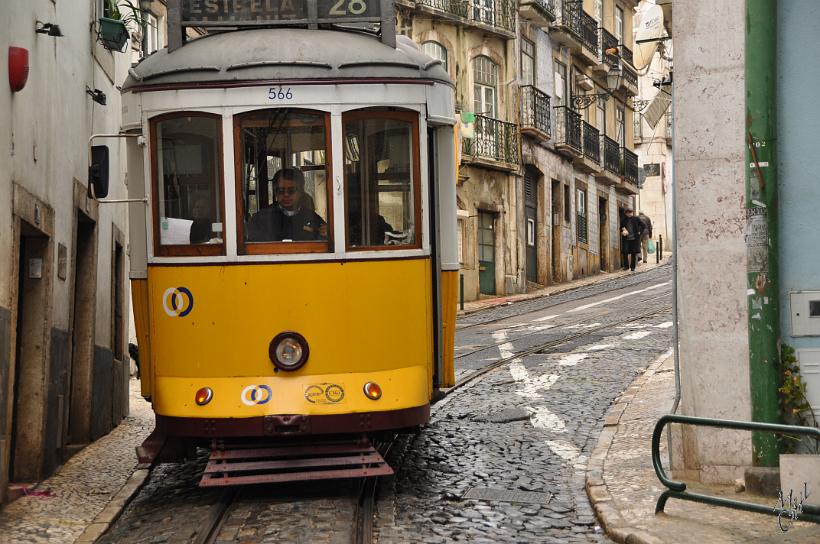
column 570, row 324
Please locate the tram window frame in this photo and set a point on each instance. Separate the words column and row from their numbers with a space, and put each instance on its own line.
column 186, row 250
column 281, row 247
column 398, row 115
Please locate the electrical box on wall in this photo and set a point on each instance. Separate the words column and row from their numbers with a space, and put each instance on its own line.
column 805, row 310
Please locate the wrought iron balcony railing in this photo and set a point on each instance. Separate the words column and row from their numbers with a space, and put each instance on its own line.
column 592, row 142
column 630, row 171
column 612, row 155
column 589, row 33
column 535, row 109
column 568, row 15
column 609, row 43
column 568, row 128
column 626, row 54
column 630, row 76
column 497, row 13
column 494, row 139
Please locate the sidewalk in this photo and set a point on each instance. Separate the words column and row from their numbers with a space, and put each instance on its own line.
column 490, row 301
column 87, row 493
column 623, row 487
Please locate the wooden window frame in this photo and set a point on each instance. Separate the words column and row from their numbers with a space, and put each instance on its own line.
column 413, row 118
column 280, row 248
column 186, row 250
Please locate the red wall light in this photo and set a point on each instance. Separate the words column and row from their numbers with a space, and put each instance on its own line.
column 18, row 68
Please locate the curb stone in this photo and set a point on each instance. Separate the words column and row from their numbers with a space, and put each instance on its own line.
column 609, row 517
column 115, row 507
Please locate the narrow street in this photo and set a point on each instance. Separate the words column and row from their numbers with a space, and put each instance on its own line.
column 501, row 461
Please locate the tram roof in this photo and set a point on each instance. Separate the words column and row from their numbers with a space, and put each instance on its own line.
column 275, row 54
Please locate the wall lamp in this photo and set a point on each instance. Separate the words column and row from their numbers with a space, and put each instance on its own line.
column 613, row 81
column 48, row 29
column 96, row 95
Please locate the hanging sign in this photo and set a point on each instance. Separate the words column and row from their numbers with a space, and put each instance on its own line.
column 269, row 12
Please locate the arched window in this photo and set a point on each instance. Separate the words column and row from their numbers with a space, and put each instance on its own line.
column 437, row 51
column 485, row 77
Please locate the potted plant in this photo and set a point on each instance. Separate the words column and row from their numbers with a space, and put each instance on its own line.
column 799, row 459
column 113, row 31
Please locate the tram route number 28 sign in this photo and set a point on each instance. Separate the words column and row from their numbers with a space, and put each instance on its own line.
column 255, row 12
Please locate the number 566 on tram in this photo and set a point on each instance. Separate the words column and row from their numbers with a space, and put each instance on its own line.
column 294, row 266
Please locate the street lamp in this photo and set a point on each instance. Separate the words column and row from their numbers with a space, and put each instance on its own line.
column 614, row 79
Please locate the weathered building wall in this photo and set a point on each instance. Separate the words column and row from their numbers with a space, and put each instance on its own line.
column 709, row 188
column 798, row 139
column 44, row 132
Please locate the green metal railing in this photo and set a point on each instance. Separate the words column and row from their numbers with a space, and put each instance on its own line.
column 677, row 490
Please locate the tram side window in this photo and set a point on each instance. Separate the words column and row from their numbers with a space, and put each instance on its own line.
column 381, row 180
column 189, row 182
column 283, row 172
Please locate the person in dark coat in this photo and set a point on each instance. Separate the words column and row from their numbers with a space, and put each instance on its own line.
column 646, row 235
column 631, row 229
column 292, row 217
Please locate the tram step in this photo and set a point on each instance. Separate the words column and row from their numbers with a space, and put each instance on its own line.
column 241, row 464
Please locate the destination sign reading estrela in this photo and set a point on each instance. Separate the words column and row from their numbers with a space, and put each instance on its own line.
column 274, row 11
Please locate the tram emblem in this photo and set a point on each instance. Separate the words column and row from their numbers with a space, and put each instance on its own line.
column 324, row 393
column 177, row 301
column 256, row 394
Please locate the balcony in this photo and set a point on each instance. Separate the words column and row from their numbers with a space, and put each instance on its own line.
column 495, row 144
column 566, row 29
column 630, row 171
column 609, row 43
column 539, row 12
column 535, row 113
column 590, row 161
column 567, row 132
column 611, row 173
column 626, row 54
column 629, row 81
column 589, row 39
column 495, row 16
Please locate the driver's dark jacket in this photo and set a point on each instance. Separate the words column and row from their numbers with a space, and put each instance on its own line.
column 273, row 225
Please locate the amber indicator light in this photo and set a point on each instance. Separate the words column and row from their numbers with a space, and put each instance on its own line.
column 204, row 396
column 372, row 391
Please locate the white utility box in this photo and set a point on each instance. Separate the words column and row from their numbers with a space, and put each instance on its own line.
column 805, row 310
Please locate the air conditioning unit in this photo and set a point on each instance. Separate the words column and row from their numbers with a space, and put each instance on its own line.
column 584, row 82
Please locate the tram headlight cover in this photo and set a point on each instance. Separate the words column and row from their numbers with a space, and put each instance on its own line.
column 372, row 390
column 288, row 350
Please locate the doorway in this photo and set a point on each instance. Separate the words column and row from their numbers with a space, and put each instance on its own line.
column 486, row 253
column 531, row 214
column 603, row 232
column 556, row 231
column 78, row 417
column 31, row 348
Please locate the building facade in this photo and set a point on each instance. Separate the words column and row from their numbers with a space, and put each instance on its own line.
column 653, row 130
column 546, row 161
column 63, row 286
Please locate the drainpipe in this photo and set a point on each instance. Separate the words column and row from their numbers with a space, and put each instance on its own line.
column 761, row 223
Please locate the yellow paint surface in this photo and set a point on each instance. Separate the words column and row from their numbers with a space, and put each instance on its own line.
column 357, row 317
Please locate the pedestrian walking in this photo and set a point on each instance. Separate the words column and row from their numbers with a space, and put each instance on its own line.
column 646, row 235
column 631, row 229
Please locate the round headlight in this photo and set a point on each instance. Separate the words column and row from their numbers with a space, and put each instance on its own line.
column 288, row 350
column 372, row 390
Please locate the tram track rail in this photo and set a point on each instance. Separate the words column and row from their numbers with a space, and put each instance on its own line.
column 636, row 303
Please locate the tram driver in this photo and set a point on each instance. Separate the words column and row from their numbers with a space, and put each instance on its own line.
column 291, row 217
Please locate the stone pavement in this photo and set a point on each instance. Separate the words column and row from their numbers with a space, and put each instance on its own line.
column 78, row 502
column 491, row 301
column 623, row 487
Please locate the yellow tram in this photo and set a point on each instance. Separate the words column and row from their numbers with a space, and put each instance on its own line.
column 294, row 271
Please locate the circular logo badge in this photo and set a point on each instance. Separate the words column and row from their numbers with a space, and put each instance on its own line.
column 177, row 301
column 334, row 393
column 256, row 394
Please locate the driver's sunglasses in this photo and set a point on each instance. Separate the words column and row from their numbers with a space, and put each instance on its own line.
column 286, row 190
